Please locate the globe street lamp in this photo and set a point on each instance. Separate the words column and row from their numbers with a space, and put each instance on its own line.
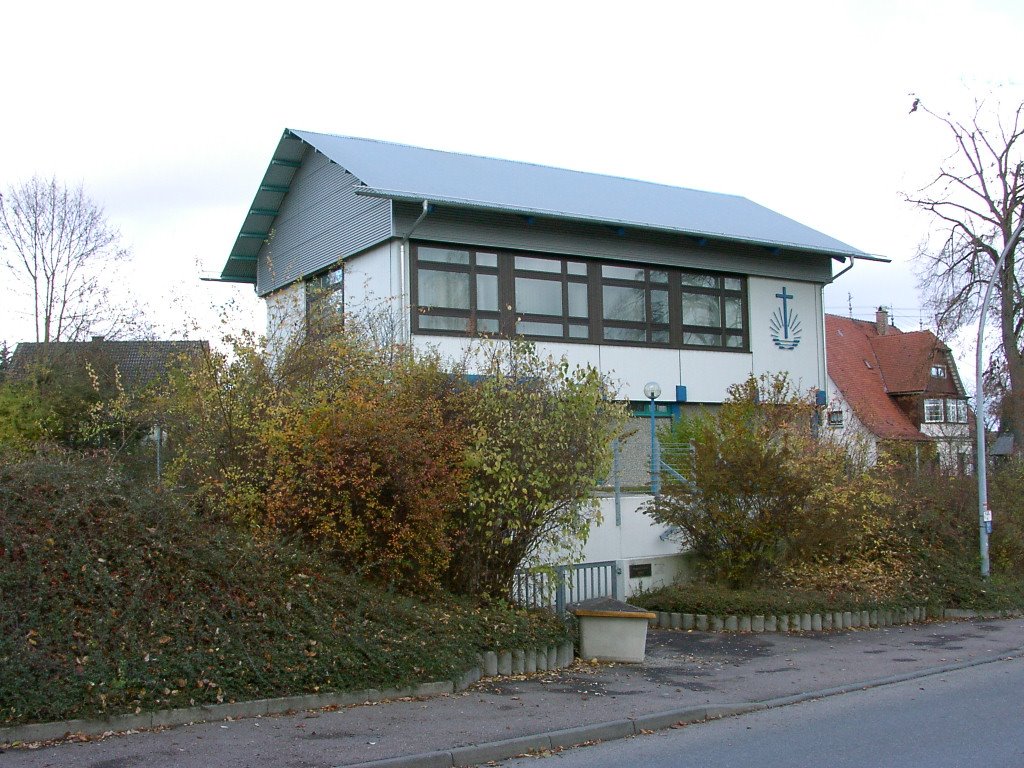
column 653, row 390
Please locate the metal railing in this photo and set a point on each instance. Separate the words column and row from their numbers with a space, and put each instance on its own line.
column 565, row 584
column 673, row 455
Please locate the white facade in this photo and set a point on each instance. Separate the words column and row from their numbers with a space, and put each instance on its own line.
column 378, row 281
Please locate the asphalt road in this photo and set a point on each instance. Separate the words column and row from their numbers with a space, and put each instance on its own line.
column 970, row 717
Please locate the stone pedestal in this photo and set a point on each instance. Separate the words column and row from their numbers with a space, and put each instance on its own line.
column 611, row 630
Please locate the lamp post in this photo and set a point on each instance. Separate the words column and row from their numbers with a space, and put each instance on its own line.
column 652, row 389
column 984, row 516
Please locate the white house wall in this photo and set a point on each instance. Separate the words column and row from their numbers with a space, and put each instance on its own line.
column 637, row 535
column 373, row 281
column 804, row 362
column 286, row 316
column 859, row 441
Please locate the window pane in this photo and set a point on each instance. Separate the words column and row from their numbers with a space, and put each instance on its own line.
column 443, row 289
column 703, row 339
column 332, row 279
column 961, row 411
column 486, row 259
column 622, row 273
column 932, row 411
column 538, row 297
column 734, row 342
column 700, row 281
column 733, row 312
column 486, row 325
column 625, row 334
column 951, row 410
column 487, row 292
column 579, row 331
column 660, row 336
column 539, row 265
column 700, row 309
column 659, row 307
column 436, row 323
column 733, row 284
column 446, row 255
column 576, row 268
column 530, row 328
column 578, row 300
column 659, row 277
column 622, row 303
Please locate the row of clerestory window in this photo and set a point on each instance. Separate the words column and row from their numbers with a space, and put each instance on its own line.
column 468, row 291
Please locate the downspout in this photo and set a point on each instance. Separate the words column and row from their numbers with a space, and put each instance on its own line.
column 402, row 309
column 824, row 344
column 853, row 260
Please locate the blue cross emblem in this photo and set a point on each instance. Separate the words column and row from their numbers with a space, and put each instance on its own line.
column 785, row 323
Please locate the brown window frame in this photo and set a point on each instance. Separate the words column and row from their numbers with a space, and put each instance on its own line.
column 508, row 318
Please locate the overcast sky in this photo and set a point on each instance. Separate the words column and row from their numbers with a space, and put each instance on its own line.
column 169, row 113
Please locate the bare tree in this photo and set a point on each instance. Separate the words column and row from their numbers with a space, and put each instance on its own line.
column 976, row 199
column 58, row 247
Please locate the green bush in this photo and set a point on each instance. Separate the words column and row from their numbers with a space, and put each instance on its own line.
column 392, row 459
column 1006, row 499
column 763, row 492
column 539, row 441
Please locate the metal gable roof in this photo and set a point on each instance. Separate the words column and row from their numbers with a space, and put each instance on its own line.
column 403, row 172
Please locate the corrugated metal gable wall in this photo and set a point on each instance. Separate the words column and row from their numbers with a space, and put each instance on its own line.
column 321, row 221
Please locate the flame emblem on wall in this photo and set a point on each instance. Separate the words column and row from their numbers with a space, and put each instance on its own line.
column 785, row 324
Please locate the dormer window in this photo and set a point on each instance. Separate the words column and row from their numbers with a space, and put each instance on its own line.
column 938, row 371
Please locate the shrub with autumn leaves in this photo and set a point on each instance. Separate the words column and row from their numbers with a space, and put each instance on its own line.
column 407, row 470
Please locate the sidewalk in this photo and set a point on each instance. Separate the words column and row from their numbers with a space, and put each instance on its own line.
column 684, row 670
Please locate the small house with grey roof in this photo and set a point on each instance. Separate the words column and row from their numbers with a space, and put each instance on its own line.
column 647, row 282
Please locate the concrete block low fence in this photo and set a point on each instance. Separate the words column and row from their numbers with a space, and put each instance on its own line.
column 489, row 664
column 817, row 622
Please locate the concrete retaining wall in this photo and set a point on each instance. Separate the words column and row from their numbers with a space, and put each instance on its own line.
column 817, row 622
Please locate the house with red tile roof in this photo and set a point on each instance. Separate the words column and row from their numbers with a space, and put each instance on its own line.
column 894, row 389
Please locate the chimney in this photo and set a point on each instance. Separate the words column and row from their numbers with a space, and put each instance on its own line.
column 882, row 321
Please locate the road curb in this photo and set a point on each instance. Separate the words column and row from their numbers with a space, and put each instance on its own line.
column 618, row 729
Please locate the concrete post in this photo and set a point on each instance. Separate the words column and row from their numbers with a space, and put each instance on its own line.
column 518, row 661
column 490, row 665
column 505, row 663
column 565, row 654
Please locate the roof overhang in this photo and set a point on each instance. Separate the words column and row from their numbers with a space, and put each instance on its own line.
column 476, row 205
column 256, row 227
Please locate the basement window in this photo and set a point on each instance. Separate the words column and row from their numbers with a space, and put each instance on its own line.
column 640, row 571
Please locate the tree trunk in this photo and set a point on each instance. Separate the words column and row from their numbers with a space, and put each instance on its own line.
column 1011, row 410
